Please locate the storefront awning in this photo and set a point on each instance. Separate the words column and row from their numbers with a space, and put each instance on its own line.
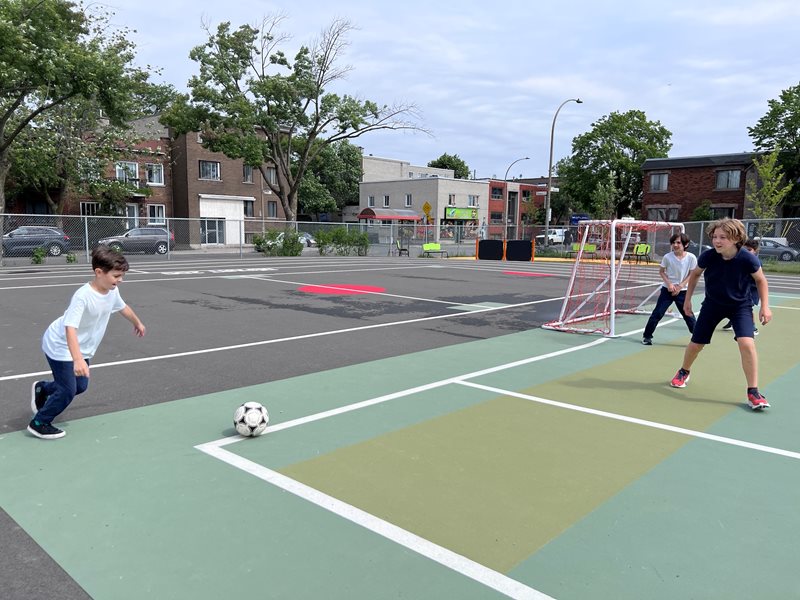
column 389, row 214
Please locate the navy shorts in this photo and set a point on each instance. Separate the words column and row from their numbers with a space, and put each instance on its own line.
column 712, row 314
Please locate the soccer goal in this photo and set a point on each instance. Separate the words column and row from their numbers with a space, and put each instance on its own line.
column 615, row 273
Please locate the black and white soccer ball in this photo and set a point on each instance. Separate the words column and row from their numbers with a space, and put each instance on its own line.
column 250, row 419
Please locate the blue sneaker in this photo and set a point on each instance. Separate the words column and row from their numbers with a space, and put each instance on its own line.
column 45, row 431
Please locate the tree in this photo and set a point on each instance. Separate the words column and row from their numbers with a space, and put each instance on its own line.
column 780, row 128
column 52, row 52
column 446, row 161
column 337, row 168
column 767, row 190
column 611, row 154
column 250, row 101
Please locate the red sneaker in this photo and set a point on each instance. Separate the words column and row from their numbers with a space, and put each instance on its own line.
column 757, row 401
column 681, row 378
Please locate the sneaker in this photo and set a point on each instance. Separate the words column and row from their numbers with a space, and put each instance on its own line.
column 757, row 401
column 38, row 397
column 647, row 341
column 755, row 331
column 728, row 326
column 681, row 378
column 45, row 431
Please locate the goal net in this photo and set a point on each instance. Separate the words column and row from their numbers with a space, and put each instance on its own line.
column 615, row 273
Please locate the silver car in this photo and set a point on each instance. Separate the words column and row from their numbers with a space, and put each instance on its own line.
column 777, row 251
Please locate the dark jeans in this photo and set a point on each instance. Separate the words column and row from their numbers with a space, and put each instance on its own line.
column 664, row 300
column 60, row 392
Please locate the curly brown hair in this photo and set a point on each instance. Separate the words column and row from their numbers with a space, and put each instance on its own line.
column 733, row 228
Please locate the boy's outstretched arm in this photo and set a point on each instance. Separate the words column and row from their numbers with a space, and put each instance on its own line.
column 138, row 326
column 764, row 312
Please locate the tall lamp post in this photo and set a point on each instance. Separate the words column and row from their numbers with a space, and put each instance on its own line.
column 550, row 170
column 505, row 207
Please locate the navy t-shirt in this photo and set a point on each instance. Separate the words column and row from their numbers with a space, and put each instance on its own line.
column 728, row 282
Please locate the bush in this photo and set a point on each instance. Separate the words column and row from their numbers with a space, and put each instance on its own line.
column 71, row 257
column 342, row 241
column 278, row 243
column 37, row 258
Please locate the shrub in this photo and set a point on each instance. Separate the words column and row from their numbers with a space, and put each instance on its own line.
column 37, row 258
column 342, row 241
column 71, row 257
column 278, row 243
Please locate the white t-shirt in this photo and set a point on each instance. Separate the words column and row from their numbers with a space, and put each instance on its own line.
column 88, row 312
column 677, row 269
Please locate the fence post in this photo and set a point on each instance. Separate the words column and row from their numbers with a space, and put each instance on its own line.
column 169, row 239
column 86, row 235
column 241, row 239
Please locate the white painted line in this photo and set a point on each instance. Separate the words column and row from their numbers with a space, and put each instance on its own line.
column 456, row 562
column 637, row 421
column 289, row 339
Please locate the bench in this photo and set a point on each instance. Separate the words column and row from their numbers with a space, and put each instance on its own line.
column 432, row 248
column 400, row 249
column 589, row 250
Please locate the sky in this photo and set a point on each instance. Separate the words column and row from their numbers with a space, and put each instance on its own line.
column 487, row 78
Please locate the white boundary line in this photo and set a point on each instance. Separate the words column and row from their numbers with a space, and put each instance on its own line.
column 456, row 562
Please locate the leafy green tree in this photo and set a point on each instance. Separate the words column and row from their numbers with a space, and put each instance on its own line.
column 767, row 191
column 780, row 128
column 447, row 161
column 250, row 101
column 52, row 51
column 337, row 168
column 611, row 154
column 314, row 197
column 703, row 212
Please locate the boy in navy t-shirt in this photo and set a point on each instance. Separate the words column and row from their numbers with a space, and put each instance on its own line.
column 729, row 271
column 752, row 246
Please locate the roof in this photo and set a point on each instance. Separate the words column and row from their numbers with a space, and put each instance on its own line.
column 389, row 214
column 715, row 160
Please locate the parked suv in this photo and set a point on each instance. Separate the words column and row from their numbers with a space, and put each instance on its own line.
column 24, row 240
column 156, row 240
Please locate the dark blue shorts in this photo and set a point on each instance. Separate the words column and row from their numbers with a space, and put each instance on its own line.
column 712, row 314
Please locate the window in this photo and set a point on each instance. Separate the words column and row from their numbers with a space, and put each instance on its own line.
column 451, row 200
column 472, row 200
column 371, row 201
column 210, row 169
column 155, row 174
column 271, row 175
column 272, row 209
column 156, row 214
column 386, row 201
column 127, row 171
column 496, row 218
column 249, row 207
column 411, row 174
column 408, row 199
column 663, row 213
column 728, row 180
column 386, row 223
column 497, row 193
column 89, row 209
column 720, row 212
column 658, row 182
column 247, row 174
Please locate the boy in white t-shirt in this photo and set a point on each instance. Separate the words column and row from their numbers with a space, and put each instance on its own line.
column 72, row 340
column 674, row 271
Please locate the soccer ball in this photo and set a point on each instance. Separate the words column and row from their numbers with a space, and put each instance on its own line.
column 250, row 419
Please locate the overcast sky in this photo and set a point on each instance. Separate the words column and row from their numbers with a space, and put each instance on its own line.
column 488, row 77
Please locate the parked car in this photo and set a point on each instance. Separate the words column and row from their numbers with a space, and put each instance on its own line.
column 156, row 240
column 554, row 236
column 776, row 250
column 24, row 240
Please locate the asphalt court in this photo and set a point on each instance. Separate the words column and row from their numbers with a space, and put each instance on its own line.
column 454, row 476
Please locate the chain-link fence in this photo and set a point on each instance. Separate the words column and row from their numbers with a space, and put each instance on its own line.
column 71, row 238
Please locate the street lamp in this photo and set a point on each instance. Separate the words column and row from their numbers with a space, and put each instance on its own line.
column 505, row 207
column 550, row 170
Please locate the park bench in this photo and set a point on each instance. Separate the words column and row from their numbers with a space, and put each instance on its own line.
column 589, row 250
column 433, row 248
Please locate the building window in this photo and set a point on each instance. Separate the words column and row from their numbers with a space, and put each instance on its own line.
column 411, row 174
column 247, row 174
column 663, row 213
column 497, row 193
column 408, row 199
column 658, row 182
column 386, row 223
column 249, row 208
column 472, row 200
column 721, row 212
column 155, row 174
column 386, row 201
column 371, row 201
column 728, row 180
column 156, row 214
column 210, row 169
column 272, row 209
column 89, row 209
column 271, row 175
column 451, row 200
column 127, row 171
column 496, row 218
